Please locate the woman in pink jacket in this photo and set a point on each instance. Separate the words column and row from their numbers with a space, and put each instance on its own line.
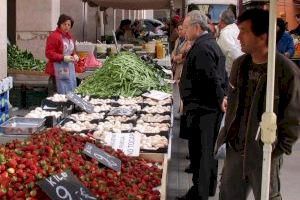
column 60, row 51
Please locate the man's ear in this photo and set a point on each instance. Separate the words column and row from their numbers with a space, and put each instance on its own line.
column 264, row 37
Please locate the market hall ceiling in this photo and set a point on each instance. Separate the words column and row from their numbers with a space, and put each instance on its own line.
column 132, row 4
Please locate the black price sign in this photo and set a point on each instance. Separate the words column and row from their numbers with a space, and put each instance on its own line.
column 86, row 106
column 65, row 186
column 103, row 157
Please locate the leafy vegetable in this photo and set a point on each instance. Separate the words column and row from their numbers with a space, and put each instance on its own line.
column 123, row 75
column 23, row 60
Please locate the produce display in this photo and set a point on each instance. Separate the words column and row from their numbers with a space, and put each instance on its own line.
column 123, row 75
column 23, row 60
column 86, row 116
column 153, row 102
column 153, row 118
column 157, row 109
column 22, row 164
column 58, row 98
column 40, row 113
column 78, row 126
column 152, row 127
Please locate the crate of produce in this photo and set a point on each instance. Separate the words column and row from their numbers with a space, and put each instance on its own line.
column 163, row 159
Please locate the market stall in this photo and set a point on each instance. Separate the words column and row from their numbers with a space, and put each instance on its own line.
column 118, row 107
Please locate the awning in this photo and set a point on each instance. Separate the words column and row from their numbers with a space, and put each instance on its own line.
column 132, row 4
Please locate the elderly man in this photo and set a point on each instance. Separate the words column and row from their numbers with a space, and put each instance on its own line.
column 202, row 89
column 228, row 39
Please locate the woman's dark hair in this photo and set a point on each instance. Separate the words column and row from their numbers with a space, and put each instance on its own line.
column 259, row 20
column 62, row 18
column 232, row 7
column 180, row 23
column 281, row 24
column 125, row 22
column 297, row 15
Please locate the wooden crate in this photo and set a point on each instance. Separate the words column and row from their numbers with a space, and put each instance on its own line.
column 25, row 77
column 162, row 158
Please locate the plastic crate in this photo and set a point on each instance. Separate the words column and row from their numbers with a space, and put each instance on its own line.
column 4, row 107
column 4, row 100
column 3, row 117
column 35, row 96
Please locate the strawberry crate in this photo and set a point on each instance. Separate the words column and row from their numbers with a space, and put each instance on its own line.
column 163, row 159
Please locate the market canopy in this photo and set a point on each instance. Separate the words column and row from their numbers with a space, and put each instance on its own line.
column 132, row 4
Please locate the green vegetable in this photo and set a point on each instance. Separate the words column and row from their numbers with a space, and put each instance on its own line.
column 23, row 60
column 123, row 75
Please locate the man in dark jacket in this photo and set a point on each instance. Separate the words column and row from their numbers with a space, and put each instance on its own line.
column 246, row 104
column 202, row 89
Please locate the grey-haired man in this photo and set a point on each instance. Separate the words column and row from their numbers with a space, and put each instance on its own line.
column 202, row 89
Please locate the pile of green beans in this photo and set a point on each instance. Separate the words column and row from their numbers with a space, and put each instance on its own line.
column 124, row 74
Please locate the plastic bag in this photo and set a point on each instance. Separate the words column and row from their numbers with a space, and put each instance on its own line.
column 91, row 62
column 87, row 63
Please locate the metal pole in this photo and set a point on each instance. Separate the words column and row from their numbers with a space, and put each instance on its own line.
column 114, row 16
column 268, row 123
column 84, row 20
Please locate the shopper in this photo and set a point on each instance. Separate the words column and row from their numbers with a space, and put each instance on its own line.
column 285, row 42
column 246, row 104
column 181, row 48
column 296, row 31
column 60, row 51
column 124, row 33
column 211, row 25
column 202, row 89
column 228, row 38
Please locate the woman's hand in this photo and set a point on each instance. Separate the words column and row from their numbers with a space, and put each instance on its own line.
column 76, row 58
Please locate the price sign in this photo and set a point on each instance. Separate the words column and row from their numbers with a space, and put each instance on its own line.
column 65, row 186
column 103, row 157
column 86, row 106
column 129, row 143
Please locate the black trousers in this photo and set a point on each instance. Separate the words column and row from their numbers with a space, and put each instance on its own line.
column 236, row 186
column 203, row 131
column 51, row 86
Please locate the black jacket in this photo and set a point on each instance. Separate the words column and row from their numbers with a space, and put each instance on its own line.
column 204, row 79
column 286, row 107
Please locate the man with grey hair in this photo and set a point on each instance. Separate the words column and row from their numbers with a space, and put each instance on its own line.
column 202, row 88
column 228, row 38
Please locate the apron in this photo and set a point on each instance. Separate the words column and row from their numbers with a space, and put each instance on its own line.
column 65, row 71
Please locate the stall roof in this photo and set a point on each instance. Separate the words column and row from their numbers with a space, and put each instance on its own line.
column 132, row 4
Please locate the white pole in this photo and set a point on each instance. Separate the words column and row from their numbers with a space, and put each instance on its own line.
column 3, row 39
column 268, row 123
column 129, row 14
column 123, row 14
column 114, row 24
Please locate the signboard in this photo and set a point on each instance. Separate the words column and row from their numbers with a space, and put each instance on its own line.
column 86, row 106
column 65, row 186
column 129, row 143
column 157, row 95
column 103, row 157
